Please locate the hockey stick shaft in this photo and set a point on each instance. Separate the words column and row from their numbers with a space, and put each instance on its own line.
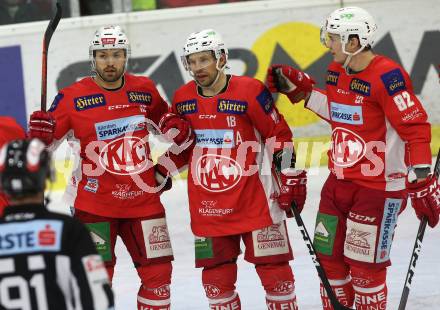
column 46, row 40
column 416, row 250
column 321, row 272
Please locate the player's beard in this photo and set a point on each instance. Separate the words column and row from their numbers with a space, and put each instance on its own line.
column 110, row 75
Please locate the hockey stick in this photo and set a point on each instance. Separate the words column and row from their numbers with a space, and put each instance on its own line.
column 321, row 272
column 416, row 250
column 47, row 36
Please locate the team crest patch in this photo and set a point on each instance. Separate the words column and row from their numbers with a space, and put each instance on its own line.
column 332, row 77
column 361, row 87
column 92, row 185
column 139, row 97
column 265, row 100
column 187, row 107
column 393, row 81
column 89, row 102
column 232, row 106
column 55, row 102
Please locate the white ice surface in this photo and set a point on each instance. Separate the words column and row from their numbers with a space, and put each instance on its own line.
column 187, row 292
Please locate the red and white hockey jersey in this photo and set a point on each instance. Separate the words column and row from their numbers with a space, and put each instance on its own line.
column 379, row 127
column 230, row 181
column 114, row 175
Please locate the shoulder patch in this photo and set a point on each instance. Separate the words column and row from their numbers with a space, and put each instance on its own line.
column 265, row 100
column 139, row 97
column 360, row 86
column 89, row 102
column 332, row 77
column 187, row 107
column 56, row 101
column 393, row 81
column 232, row 106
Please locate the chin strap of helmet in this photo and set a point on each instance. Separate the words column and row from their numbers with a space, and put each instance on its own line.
column 349, row 56
column 219, row 70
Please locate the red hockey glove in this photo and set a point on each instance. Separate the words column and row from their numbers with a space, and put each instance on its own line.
column 42, row 126
column 425, row 199
column 296, row 85
column 293, row 188
column 176, row 128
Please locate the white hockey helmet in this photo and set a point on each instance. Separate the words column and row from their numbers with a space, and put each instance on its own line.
column 109, row 37
column 204, row 40
column 350, row 21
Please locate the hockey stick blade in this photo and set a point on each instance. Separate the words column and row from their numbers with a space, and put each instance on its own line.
column 321, row 272
column 53, row 23
column 417, row 249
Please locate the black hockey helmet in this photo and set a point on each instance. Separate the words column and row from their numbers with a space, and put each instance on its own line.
column 24, row 168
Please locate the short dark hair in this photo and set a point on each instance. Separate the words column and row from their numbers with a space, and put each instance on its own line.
column 355, row 36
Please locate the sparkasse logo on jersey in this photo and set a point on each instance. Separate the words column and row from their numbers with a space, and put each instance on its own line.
column 118, row 127
column 215, row 138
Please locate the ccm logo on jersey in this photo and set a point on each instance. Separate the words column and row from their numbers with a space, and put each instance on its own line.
column 332, row 77
column 231, row 106
column 187, row 107
column 89, row 102
column 265, row 100
column 139, row 97
column 360, row 87
column 393, row 81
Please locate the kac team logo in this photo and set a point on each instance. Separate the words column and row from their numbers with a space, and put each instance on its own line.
column 217, row 173
column 347, row 147
column 125, row 156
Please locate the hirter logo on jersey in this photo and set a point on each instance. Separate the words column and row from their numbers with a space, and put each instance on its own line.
column 393, row 81
column 139, row 97
column 89, row 102
column 125, row 156
column 186, row 107
column 361, row 87
column 347, row 147
column 217, row 173
column 231, row 106
column 332, row 77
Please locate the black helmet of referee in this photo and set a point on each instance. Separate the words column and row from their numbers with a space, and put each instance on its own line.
column 24, row 168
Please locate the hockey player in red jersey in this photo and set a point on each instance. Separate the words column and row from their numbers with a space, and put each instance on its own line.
column 232, row 191
column 379, row 146
column 9, row 130
column 114, row 186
